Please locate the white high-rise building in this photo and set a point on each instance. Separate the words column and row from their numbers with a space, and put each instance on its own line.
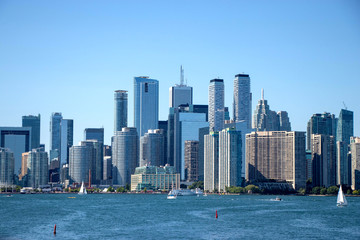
column 216, row 105
column 7, row 162
column 37, row 164
column 211, row 162
column 242, row 99
column 355, row 162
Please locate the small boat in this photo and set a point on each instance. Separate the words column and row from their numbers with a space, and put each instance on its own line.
column 171, row 196
column 82, row 189
column 71, row 197
column 9, row 195
column 278, row 199
column 341, row 200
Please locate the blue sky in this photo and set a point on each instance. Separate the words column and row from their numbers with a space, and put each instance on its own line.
column 70, row 56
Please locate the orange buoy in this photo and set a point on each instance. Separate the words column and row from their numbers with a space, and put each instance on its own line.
column 216, row 215
column 55, row 229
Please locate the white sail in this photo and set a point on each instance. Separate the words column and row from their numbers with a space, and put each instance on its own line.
column 341, row 200
column 82, row 189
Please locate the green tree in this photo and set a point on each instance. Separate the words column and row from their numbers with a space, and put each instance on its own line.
column 348, row 191
column 356, row 192
column 302, row 191
column 252, row 188
column 315, row 190
column 332, row 190
column 120, row 189
column 111, row 189
column 323, row 191
column 145, row 190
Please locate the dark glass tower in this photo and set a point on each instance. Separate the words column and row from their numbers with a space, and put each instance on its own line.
column 34, row 123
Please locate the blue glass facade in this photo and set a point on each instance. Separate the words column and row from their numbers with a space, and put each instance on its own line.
column 34, row 123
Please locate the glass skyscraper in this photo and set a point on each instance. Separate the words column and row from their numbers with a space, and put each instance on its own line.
column 216, row 105
column 121, row 109
column 7, row 163
column 55, row 135
column 80, row 160
column 146, row 104
column 242, row 99
column 34, row 123
column 38, row 172
column 67, row 139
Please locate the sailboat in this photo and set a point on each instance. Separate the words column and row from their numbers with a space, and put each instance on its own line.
column 341, row 200
column 82, row 189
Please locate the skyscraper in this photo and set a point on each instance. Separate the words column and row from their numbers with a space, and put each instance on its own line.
column 264, row 119
column 125, row 152
column 96, row 164
column 180, row 94
column 34, row 123
column 98, row 135
column 284, row 121
column 216, row 105
column 18, row 141
column 67, row 139
column 7, row 162
column 323, row 150
column 191, row 155
column 80, row 160
column 55, row 135
column 345, row 126
column 152, row 148
column 276, row 155
column 355, row 162
column 242, row 99
column 121, row 109
column 38, row 168
column 211, row 162
column 146, row 104
column 320, row 124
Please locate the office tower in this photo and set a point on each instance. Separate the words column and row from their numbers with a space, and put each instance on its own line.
column 155, row 178
column 191, row 155
column 309, row 169
column 67, row 139
column 276, row 155
column 345, row 130
column 226, row 114
column 121, row 109
column 38, row 168
column 264, row 118
column 242, row 127
column 24, row 168
column 107, row 150
column 320, row 124
column 34, row 123
column 163, row 125
column 216, row 105
column 54, row 171
column 7, row 162
column 98, row 135
column 124, row 155
column 284, row 121
column 107, row 168
column 242, row 99
column 18, row 141
column 202, row 132
column 211, row 162
column 199, row 108
column 230, row 158
column 323, row 151
column 80, row 159
column 96, row 161
column 355, row 162
column 55, row 135
column 186, row 127
column 152, row 148
column 180, row 94
column 64, row 174
column 146, row 104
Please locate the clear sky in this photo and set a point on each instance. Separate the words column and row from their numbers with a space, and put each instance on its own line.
column 70, row 56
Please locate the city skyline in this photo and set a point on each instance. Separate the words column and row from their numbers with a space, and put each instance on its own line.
column 308, row 64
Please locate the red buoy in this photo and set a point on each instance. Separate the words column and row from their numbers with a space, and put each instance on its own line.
column 216, row 215
column 55, row 229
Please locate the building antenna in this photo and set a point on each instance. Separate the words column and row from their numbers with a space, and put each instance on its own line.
column 345, row 105
column 262, row 94
column 181, row 76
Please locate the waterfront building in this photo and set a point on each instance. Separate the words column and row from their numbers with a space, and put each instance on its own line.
column 264, row 118
column 34, row 123
column 96, row 161
column 67, row 139
column 146, row 104
column 345, row 130
column 230, row 158
column 64, row 173
column 191, row 156
column 24, row 168
column 107, row 168
column 323, row 151
column 202, row 132
column 216, row 105
column 276, row 155
column 55, row 135
column 120, row 109
column 211, row 162
column 242, row 99
column 7, row 162
column 98, row 135
column 80, row 160
column 320, row 124
column 125, row 152
column 152, row 148
column 180, row 94
column 38, row 168
column 309, row 168
column 355, row 162
column 155, row 178
column 18, row 141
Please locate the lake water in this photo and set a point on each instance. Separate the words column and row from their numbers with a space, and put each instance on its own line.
column 152, row 216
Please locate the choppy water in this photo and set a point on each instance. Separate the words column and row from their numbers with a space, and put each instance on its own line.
column 145, row 216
